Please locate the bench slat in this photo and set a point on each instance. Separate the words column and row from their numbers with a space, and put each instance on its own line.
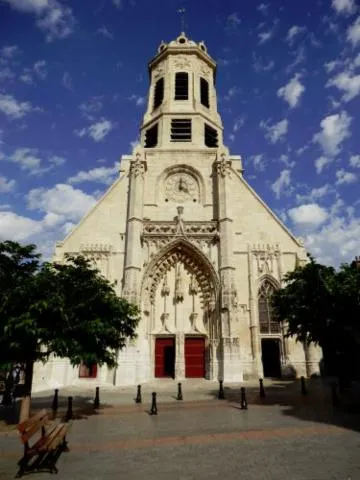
column 37, row 446
column 50, row 438
column 25, row 437
column 59, row 437
column 26, row 424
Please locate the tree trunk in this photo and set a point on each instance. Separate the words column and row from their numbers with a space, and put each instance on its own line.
column 26, row 399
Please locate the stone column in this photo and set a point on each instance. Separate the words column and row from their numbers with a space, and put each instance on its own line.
column 230, row 367
column 134, row 228
column 254, row 318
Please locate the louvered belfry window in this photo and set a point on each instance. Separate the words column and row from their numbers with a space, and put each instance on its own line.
column 267, row 325
column 180, row 130
column 151, row 136
column 181, row 86
column 211, row 136
column 159, row 93
column 204, row 92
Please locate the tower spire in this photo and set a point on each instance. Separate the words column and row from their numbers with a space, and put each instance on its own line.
column 181, row 12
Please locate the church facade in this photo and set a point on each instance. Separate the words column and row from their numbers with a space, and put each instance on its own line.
column 187, row 239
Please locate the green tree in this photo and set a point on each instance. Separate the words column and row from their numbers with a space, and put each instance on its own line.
column 66, row 309
column 321, row 305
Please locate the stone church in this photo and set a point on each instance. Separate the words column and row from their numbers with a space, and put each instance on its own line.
column 187, row 239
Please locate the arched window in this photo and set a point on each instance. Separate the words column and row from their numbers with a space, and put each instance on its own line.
column 267, row 324
column 159, row 93
column 204, row 92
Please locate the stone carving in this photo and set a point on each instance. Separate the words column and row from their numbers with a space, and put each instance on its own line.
column 158, row 72
column 138, row 166
column 205, row 72
column 265, row 257
column 182, row 61
column 181, row 187
column 223, row 166
column 179, row 288
column 164, row 322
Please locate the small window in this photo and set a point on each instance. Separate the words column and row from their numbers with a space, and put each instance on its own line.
column 211, row 136
column 87, row 370
column 159, row 93
column 181, row 86
column 151, row 136
column 181, row 130
column 204, row 92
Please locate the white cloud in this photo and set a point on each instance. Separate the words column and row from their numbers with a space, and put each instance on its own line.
column 53, row 17
column 310, row 214
column 299, row 58
column 17, row 228
column 261, row 65
column 334, row 130
column 137, row 99
column 281, row 183
column 330, row 66
column 118, row 3
column 9, row 51
column 63, row 200
column 353, row 33
column 265, row 36
column 105, row 32
column 259, row 162
column 292, row 91
column 27, row 159
column 321, row 162
column 344, row 6
column 40, row 68
column 275, row 132
column 347, row 83
column 344, row 177
column 97, row 131
column 233, row 21
column 56, row 160
column 67, row 81
column 92, row 106
column 263, row 8
column 315, row 193
column 12, row 108
column 355, row 161
column 104, row 175
column 293, row 32
column 6, row 185
column 285, row 159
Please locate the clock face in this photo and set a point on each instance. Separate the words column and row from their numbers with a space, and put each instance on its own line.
column 181, row 187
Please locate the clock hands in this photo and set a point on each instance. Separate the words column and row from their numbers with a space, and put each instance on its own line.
column 183, row 185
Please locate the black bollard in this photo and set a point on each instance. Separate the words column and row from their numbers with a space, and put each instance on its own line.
column 221, row 395
column 69, row 413
column 153, row 410
column 97, row 398
column 243, row 399
column 334, row 395
column 262, row 390
column 138, row 395
column 303, row 386
column 55, row 402
column 179, row 395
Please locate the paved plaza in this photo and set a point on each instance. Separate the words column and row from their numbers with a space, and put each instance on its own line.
column 284, row 436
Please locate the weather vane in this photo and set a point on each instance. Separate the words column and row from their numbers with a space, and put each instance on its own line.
column 181, row 12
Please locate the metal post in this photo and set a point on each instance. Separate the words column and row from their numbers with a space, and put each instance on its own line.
column 221, row 395
column 303, row 386
column 69, row 413
column 262, row 390
column 97, row 398
column 55, row 402
column 138, row 395
column 153, row 410
column 179, row 395
column 243, row 399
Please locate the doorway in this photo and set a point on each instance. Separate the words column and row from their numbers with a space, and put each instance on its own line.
column 195, row 357
column 165, row 357
column 270, row 348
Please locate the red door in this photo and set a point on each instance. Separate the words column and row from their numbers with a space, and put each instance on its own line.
column 164, row 357
column 194, row 357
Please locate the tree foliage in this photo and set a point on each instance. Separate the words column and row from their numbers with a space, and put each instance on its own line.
column 319, row 304
column 66, row 309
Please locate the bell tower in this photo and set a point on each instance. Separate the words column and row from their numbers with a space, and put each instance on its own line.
column 182, row 105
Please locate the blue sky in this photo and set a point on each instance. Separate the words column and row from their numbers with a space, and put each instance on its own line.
column 73, row 86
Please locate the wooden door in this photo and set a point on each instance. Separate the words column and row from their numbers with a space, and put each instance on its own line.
column 195, row 357
column 164, row 357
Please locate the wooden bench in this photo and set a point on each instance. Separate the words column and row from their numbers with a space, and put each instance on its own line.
column 49, row 441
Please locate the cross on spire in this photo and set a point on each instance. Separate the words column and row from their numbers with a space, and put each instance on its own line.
column 181, row 12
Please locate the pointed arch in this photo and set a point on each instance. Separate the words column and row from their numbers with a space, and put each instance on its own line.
column 267, row 286
column 193, row 260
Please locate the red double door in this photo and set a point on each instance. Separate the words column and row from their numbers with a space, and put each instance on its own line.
column 194, row 357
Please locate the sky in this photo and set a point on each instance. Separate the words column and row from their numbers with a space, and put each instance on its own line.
column 73, row 88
